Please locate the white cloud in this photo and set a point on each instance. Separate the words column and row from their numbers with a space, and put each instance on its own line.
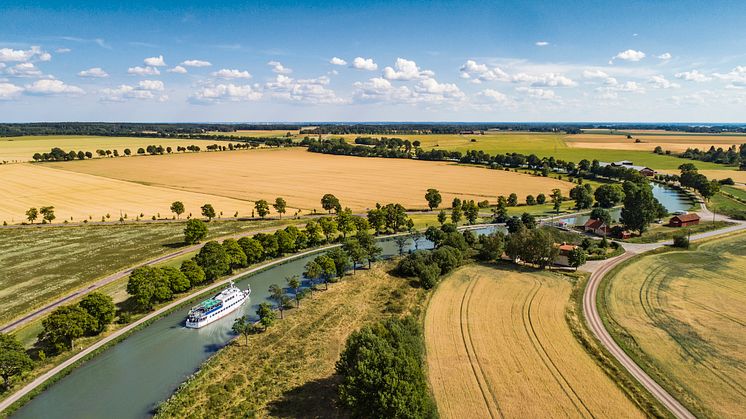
column 660, row 82
column 693, row 75
column 62, row 50
column 9, row 91
column 434, row 91
column 95, row 72
column 17, row 55
column 361, row 63
column 278, row 68
column 379, row 89
column 491, row 96
column 630, row 55
column 226, row 93
column 541, row 43
column 594, row 74
column 736, row 77
column 143, row 71
column 545, row 80
column 546, row 94
column 405, row 70
column 337, row 61
column 155, row 61
column 144, row 90
column 612, row 88
column 196, row 63
column 232, row 74
column 53, row 87
column 152, row 85
column 178, row 70
column 478, row 73
column 665, row 56
column 24, row 70
column 311, row 91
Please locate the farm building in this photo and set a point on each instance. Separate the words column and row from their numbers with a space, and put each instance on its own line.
column 643, row 170
column 597, row 227
column 684, row 220
column 564, row 252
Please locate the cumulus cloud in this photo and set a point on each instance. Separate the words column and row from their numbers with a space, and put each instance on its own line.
column 304, row 91
column 155, row 61
column 178, row 70
column 52, row 87
column 405, row 70
column 62, row 50
column 665, row 56
column 95, row 72
column 361, row 63
column 478, row 73
column 143, row 71
column 278, row 68
column 337, row 61
column 612, row 88
column 24, row 70
column 693, row 75
column 151, row 85
column 630, row 55
column 660, row 82
column 491, row 96
column 196, row 63
column 144, row 90
column 546, row 94
column 232, row 74
column 19, row 55
column 545, row 80
column 432, row 91
column 594, row 74
column 9, row 91
column 226, row 93
column 736, row 77
column 541, row 43
column 379, row 89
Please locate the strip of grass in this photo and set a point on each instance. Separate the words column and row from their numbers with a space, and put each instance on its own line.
column 659, row 232
column 724, row 204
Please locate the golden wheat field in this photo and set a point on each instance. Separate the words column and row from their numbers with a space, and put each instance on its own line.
column 21, row 149
column 498, row 345
column 302, row 177
column 672, row 142
column 684, row 314
column 79, row 196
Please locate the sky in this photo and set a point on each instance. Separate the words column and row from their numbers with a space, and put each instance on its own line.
column 296, row 61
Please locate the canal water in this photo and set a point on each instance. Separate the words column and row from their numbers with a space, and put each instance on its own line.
column 129, row 379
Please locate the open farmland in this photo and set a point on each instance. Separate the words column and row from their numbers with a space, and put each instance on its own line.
column 302, row 177
column 22, row 149
column 681, row 316
column 668, row 141
column 79, row 196
column 498, row 344
column 258, row 133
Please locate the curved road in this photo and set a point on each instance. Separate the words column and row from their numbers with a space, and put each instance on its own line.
column 598, row 271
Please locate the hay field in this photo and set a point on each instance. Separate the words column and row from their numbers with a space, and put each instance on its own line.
column 302, row 177
column 498, row 344
column 668, row 141
column 682, row 316
column 22, row 149
column 258, row 133
column 80, row 196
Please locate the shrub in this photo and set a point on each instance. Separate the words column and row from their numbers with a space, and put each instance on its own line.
column 681, row 241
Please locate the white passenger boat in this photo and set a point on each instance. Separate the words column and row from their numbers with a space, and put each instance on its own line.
column 217, row 307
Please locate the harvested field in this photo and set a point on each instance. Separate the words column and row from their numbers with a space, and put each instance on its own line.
column 23, row 148
column 498, row 344
column 668, row 141
column 302, row 177
column 681, row 316
column 79, row 196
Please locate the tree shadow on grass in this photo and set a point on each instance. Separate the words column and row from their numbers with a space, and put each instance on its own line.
column 314, row 399
column 175, row 245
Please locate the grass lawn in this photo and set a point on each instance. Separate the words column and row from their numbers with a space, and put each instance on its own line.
column 661, row 232
column 40, row 264
column 723, row 204
column 288, row 371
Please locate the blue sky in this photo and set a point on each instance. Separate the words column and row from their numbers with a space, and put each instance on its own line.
column 372, row 61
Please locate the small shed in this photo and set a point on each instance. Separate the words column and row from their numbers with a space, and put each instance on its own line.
column 684, row 220
column 564, row 251
column 597, row 227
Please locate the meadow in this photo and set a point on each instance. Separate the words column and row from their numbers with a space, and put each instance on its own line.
column 21, row 149
column 498, row 344
column 302, row 178
column 680, row 314
column 288, row 371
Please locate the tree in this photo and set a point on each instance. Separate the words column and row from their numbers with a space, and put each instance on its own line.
column 491, row 246
column 556, row 199
column 177, row 207
column 609, row 195
column 277, row 294
column 177, row 281
column 328, row 227
column 681, row 240
column 640, row 206
column 601, row 214
column 456, row 214
column 528, row 220
column 313, row 231
column 47, row 213
column 433, row 198
column 242, row 327
column 583, row 198
column 442, row 217
column 280, row 206
column 252, row 249
column 576, row 257
column 327, row 268
column 14, row 360
column 195, row 231
column 501, row 210
column 32, row 214
column 355, row 252
column 208, row 212
column 401, row 243
column 330, row 202
column 471, row 211
column 530, row 200
column 369, row 245
column 294, row 284
column 236, row 257
column 345, row 222
column 64, row 325
column 266, row 315
column 456, row 203
column 541, row 199
column 262, row 208
column 101, row 307
column 213, row 259
column 148, row 285
column 512, row 200
column 192, row 272
column 341, row 261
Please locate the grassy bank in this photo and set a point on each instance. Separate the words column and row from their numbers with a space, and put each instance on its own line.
column 661, row 232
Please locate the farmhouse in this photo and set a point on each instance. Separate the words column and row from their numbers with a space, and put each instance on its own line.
column 562, row 258
column 684, row 220
column 597, row 227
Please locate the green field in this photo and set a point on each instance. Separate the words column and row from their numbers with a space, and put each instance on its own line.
column 680, row 315
column 723, row 204
column 661, row 232
column 40, row 264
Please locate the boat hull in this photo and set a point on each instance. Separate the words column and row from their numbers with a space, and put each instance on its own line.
column 219, row 314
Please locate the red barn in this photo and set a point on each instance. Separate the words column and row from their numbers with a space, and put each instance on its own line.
column 684, row 220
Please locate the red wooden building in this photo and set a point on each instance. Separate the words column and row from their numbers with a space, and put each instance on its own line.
column 684, row 220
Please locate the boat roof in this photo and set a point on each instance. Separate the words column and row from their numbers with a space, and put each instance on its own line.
column 210, row 302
